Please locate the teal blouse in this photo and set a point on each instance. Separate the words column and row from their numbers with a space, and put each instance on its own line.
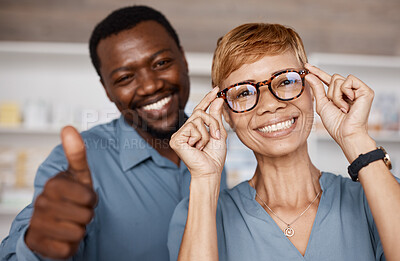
column 343, row 228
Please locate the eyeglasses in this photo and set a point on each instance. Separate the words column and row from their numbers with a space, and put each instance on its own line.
column 285, row 85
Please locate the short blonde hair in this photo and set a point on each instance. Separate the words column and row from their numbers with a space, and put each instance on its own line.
column 250, row 42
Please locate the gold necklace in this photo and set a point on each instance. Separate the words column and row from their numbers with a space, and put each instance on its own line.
column 288, row 231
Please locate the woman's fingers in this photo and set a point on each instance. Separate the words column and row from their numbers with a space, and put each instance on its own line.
column 336, row 80
column 200, row 111
column 318, row 91
column 216, row 108
column 187, row 135
column 342, row 97
column 350, row 85
column 192, row 134
column 354, row 88
column 322, row 75
column 206, row 101
column 336, row 93
column 205, row 136
column 195, row 133
column 208, row 120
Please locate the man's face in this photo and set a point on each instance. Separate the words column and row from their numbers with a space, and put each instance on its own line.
column 145, row 74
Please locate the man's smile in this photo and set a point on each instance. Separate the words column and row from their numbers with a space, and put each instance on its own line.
column 158, row 105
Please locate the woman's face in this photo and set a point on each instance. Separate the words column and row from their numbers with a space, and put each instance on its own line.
column 273, row 128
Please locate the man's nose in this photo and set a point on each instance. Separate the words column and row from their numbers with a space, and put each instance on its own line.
column 149, row 82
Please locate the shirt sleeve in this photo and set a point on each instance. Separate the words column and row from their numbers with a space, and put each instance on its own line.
column 177, row 228
column 379, row 255
column 23, row 253
column 13, row 246
column 223, row 184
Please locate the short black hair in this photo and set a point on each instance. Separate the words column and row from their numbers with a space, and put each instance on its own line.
column 124, row 19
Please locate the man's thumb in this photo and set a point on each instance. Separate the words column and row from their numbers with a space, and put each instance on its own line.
column 75, row 152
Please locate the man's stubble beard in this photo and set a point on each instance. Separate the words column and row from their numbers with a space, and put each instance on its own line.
column 163, row 134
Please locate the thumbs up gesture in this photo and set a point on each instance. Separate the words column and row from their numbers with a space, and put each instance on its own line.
column 66, row 205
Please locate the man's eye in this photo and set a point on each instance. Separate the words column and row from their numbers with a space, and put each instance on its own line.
column 162, row 63
column 124, row 78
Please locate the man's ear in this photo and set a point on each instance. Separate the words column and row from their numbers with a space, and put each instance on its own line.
column 105, row 89
column 184, row 58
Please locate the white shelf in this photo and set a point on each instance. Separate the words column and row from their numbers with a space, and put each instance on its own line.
column 44, row 48
column 19, row 137
column 26, row 131
column 14, row 200
column 9, row 211
column 382, row 136
column 199, row 63
column 355, row 60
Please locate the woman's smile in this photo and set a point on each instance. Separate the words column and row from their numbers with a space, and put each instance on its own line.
column 278, row 129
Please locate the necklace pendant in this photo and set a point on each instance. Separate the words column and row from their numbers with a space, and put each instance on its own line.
column 289, row 231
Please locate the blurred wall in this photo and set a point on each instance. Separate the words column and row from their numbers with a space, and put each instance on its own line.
column 340, row 26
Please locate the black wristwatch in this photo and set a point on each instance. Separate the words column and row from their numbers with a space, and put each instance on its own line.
column 365, row 159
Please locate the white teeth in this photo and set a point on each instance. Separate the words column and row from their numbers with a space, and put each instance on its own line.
column 277, row 127
column 157, row 105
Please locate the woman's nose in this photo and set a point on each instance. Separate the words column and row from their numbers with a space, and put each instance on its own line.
column 268, row 102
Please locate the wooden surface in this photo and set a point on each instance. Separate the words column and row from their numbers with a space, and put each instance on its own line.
column 340, row 26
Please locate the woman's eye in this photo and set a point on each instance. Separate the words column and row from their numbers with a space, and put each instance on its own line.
column 243, row 94
column 287, row 82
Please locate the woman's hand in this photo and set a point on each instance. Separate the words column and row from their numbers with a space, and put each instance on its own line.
column 345, row 108
column 203, row 151
column 346, row 120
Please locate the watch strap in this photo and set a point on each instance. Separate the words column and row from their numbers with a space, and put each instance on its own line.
column 363, row 160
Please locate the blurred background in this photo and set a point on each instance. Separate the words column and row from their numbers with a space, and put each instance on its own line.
column 47, row 80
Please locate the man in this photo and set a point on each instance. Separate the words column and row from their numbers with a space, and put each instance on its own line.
column 114, row 201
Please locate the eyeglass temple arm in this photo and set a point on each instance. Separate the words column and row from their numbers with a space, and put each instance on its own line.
column 221, row 95
column 305, row 71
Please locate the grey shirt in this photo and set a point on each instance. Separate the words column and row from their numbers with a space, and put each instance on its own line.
column 138, row 191
column 343, row 228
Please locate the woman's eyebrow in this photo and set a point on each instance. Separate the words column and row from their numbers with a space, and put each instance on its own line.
column 282, row 70
column 249, row 80
column 272, row 74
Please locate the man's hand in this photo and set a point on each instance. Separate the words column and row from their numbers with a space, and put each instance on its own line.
column 66, row 205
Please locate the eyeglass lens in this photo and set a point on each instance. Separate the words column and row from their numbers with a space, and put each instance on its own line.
column 244, row 97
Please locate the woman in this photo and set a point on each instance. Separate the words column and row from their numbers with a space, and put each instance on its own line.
column 289, row 210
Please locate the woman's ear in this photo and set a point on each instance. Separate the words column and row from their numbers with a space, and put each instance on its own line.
column 227, row 117
column 311, row 91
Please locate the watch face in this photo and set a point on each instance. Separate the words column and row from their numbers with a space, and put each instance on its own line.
column 386, row 159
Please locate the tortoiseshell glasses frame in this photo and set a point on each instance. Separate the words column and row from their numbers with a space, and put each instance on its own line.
column 302, row 73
